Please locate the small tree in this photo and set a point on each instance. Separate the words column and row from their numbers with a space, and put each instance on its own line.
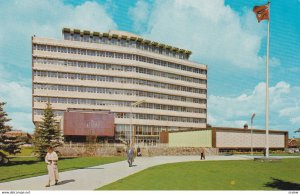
column 47, row 133
column 8, row 142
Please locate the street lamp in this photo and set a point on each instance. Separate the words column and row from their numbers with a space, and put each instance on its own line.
column 252, row 117
column 133, row 105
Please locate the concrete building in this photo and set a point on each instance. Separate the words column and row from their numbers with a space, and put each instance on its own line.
column 225, row 138
column 110, row 72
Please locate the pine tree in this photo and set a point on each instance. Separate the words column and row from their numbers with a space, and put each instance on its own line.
column 47, row 133
column 8, row 143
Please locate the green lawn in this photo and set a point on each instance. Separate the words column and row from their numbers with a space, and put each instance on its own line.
column 25, row 151
column 256, row 154
column 215, row 175
column 20, row 168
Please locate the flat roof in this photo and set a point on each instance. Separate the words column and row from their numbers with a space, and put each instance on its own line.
column 228, row 129
column 126, row 36
column 243, row 129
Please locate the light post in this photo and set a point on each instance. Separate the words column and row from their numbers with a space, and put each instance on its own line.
column 133, row 105
column 252, row 117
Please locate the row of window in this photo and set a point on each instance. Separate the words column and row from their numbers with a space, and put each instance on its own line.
column 147, row 130
column 124, row 131
column 117, row 92
column 143, row 117
column 138, row 128
column 55, row 112
column 117, row 103
column 162, row 118
column 124, row 43
column 76, row 76
column 117, row 68
column 119, row 56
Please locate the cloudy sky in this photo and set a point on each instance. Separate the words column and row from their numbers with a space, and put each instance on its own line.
column 222, row 34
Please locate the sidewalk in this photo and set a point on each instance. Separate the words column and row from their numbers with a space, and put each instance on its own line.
column 94, row 177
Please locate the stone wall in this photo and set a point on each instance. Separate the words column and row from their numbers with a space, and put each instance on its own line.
column 93, row 150
column 100, row 150
column 177, row 151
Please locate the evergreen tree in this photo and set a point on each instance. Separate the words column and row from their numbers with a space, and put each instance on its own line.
column 8, row 142
column 47, row 133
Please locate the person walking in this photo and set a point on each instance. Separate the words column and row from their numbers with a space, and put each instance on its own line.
column 264, row 152
column 130, row 156
column 51, row 159
column 202, row 151
column 139, row 153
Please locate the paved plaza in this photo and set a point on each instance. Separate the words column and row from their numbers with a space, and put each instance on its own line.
column 94, row 177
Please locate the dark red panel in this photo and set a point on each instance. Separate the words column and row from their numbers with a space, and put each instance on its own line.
column 78, row 123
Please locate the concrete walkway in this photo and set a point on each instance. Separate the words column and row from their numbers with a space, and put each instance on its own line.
column 94, row 177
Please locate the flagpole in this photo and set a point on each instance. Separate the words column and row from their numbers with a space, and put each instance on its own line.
column 267, row 86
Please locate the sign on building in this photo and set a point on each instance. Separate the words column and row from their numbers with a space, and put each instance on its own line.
column 86, row 124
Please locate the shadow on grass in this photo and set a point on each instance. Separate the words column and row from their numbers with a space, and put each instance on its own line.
column 28, row 162
column 44, row 172
column 13, row 178
column 282, row 185
column 15, row 161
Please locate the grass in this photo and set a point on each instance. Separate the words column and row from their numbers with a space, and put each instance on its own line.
column 25, row 151
column 259, row 154
column 215, row 175
column 285, row 154
column 20, row 168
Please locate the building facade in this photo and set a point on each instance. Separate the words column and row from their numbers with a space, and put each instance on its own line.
column 148, row 86
column 225, row 138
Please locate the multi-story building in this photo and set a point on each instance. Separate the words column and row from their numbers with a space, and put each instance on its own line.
column 111, row 72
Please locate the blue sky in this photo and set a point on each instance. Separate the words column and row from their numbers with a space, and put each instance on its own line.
column 222, row 34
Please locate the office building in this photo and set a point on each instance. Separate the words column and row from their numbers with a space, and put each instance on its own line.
column 149, row 86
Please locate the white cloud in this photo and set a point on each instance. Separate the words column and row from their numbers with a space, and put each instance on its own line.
column 295, row 120
column 22, row 19
column 215, row 33
column 18, row 98
column 284, row 109
column 230, row 44
column 19, row 21
column 140, row 13
column 21, row 121
column 16, row 95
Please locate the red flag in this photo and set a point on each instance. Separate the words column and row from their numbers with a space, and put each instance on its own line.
column 262, row 12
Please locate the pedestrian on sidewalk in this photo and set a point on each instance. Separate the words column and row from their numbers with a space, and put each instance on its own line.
column 139, row 153
column 202, row 151
column 130, row 155
column 264, row 152
column 51, row 160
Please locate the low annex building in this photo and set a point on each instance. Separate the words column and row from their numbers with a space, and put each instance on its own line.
column 226, row 138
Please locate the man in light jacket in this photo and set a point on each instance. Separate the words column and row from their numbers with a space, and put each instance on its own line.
column 51, row 160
